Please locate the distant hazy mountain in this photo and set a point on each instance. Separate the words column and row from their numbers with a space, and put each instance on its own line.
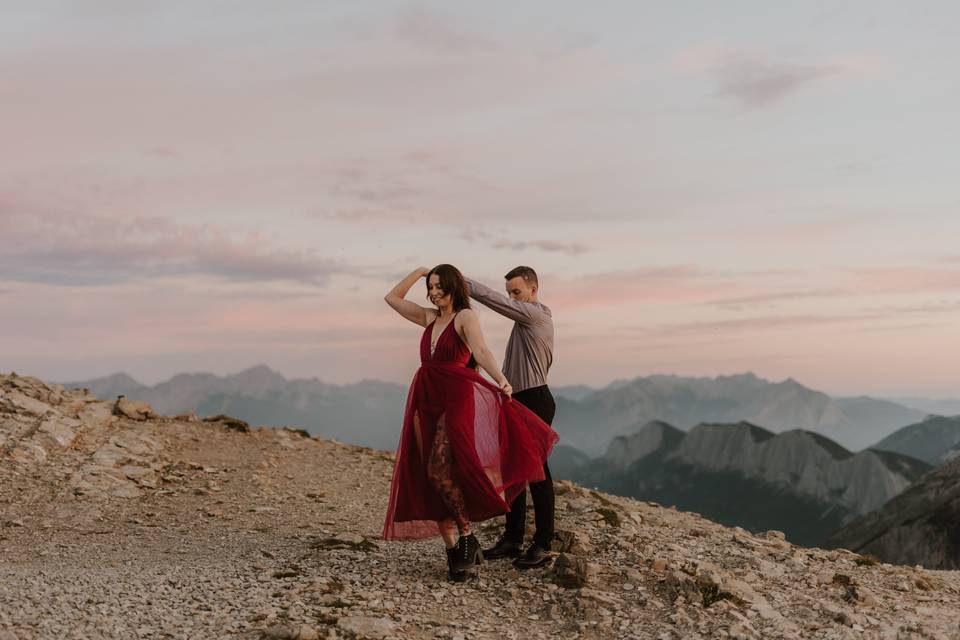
column 591, row 423
column 919, row 526
column 935, row 440
column 935, row 406
column 369, row 413
column 119, row 384
column 574, row 392
column 566, row 461
column 799, row 482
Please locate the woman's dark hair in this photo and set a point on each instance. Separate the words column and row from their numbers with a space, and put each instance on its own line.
column 452, row 284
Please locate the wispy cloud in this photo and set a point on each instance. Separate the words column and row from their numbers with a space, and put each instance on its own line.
column 568, row 248
column 756, row 80
column 499, row 241
column 83, row 250
column 758, row 323
column 439, row 33
column 663, row 285
column 905, row 279
column 931, row 308
column 765, row 299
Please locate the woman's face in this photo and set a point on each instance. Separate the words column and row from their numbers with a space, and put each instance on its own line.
column 437, row 295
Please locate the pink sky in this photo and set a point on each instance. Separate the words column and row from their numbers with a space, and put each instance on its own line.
column 188, row 190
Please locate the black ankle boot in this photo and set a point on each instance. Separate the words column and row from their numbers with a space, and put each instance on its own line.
column 503, row 549
column 468, row 555
column 536, row 555
column 456, row 576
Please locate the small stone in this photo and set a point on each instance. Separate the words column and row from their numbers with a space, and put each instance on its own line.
column 575, row 542
column 345, row 541
column 680, row 584
column 307, row 633
column 289, row 572
column 742, row 631
column 367, row 626
column 279, row 632
column 570, row 571
column 660, row 565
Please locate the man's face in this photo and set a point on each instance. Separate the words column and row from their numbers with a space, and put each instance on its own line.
column 520, row 289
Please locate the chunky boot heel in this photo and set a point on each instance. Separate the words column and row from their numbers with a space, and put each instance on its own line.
column 455, row 576
column 468, row 554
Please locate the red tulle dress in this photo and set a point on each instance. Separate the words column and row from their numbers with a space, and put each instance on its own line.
column 465, row 451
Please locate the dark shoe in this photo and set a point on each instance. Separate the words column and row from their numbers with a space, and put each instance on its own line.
column 534, row 556
column 503, row 549
column 456, row 576
column 467, row 555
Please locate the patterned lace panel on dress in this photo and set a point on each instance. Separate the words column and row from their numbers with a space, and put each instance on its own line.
column 440, row 472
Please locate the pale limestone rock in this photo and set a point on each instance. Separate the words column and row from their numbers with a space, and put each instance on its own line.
column 16, row 401
column 133, row 409
column 367, row 626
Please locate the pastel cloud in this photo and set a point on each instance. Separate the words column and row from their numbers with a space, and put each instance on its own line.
column 84, row 250
column 757, row 80
column 906, row 279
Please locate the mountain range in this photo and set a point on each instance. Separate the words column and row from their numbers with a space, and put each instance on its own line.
column 936, row 406
column 798, row 482
column 369, row 412
column 591, row 423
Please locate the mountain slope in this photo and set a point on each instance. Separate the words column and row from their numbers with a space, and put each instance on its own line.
column 118, row 528
column 109, row 387
column 935, row 440
column 919, row 526
column 740, row 474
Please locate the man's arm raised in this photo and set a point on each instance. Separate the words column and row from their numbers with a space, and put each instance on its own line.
column 522, row 312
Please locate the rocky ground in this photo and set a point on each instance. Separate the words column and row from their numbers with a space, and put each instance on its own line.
column 118, row 524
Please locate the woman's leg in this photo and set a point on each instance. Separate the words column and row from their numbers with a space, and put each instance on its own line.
column 448, row 531
column 440, row 471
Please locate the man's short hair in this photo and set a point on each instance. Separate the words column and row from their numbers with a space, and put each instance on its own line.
column 529, row 275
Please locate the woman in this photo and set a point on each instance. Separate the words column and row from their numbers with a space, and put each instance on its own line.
column 465, row 451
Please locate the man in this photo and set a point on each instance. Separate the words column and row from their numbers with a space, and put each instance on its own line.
column 526, row 364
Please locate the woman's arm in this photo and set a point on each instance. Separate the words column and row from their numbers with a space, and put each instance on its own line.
column 473, row 336
column 409, row 310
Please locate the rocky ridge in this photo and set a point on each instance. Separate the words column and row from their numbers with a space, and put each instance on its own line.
column 797, row 481
column 116, row 523
column 936, row 440
column 591, row 423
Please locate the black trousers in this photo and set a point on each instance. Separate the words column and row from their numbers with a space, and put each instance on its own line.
column 540, row 401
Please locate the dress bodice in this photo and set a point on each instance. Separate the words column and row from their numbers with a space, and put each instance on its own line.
column 450, row 349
